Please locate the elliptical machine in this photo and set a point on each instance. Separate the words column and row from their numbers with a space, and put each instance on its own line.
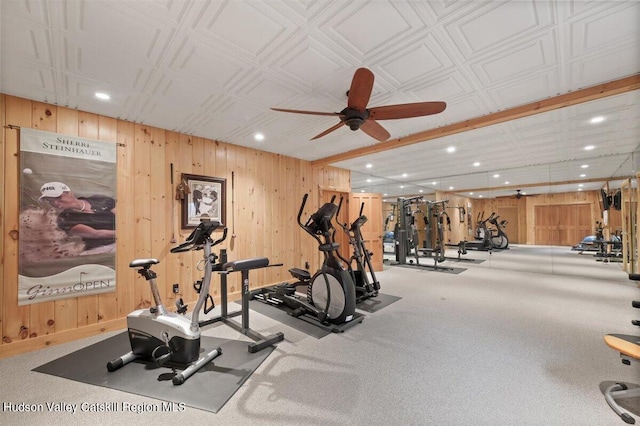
column 365, row 288
column 164, row 337
column 331, row 293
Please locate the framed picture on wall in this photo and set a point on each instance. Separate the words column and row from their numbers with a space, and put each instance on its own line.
column 204, row 200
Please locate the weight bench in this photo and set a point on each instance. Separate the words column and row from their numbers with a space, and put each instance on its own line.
column 629, row 348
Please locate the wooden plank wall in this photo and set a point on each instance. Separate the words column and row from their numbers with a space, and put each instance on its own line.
column 528, row 205
column 268, row 189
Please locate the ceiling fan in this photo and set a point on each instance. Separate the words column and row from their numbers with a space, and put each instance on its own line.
column 357, row 116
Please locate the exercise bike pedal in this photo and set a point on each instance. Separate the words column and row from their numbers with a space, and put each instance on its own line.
column 161, row 360
column 297, row 312
column 635, row 322
column 181, row 307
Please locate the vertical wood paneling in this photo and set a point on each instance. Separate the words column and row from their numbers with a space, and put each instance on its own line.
column 158, row 192
column 268, row 192
column 142, row 210
column 15, row 322
column 3, row 123
column 172, row 207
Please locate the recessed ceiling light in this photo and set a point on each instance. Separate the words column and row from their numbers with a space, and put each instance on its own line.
column 384, row 195
column 496, row 175
column 451, row 149
column 584, row 166
column 589, row 147
column 421, row 191
column 369, row 165
column 404, row 175
column 598, row 119
column 471, row 193
column 259, row 137
column 476, row 164
column 580, row 185
column 434, row 183
column 102, row 96
column 369, row 180
column 506, row 182
column 583, row 175
column 523, row 193
column 362, row 190
column 451, row 187
column 479, row 196
column 579, row 189
column 401, row 186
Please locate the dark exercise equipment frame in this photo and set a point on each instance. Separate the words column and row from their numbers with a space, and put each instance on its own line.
column 283, row 296
column 242, row 266
column 404, row 245
column 365, row 288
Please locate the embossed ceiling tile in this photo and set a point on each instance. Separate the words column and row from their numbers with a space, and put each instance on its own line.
column 128, row 72
column 25, row 41
column 25, row 79
column 362, row 27
column 255, row 33
column 440, row 9
column 268, row 91
column 498, row 23
column 204, row 63
column 606, row 29
column 310, row 66
column 446, row 88
column 606, row 66
column 421, row 59
column 31, row 11
column 111, row 30
column 464, row 109
column 519, row 60
column 531, row 86
column 169, row 12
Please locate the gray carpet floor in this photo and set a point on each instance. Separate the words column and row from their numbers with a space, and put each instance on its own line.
column 517, row 339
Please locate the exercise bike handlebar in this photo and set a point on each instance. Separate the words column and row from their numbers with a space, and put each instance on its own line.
column 199, row 237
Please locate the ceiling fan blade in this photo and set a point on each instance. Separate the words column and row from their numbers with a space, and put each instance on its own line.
column 360, row 91
column 329, row 130
column 296, row 111
column 375, row 130
column 418, row 109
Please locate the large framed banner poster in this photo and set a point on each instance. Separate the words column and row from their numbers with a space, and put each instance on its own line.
column 67, row 230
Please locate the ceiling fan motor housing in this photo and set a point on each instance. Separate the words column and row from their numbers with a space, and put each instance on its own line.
column 354, row 118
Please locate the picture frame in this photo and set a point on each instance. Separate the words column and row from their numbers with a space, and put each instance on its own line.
column 204, row 199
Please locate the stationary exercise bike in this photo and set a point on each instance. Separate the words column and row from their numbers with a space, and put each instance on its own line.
column 365, row 287
column 165, row 337
column 331, row 294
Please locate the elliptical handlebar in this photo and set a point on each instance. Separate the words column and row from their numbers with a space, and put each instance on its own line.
column 304, row 202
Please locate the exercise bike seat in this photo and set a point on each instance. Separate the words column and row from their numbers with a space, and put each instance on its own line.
column 144, row 263
column 246, row 264
column 300, row 274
